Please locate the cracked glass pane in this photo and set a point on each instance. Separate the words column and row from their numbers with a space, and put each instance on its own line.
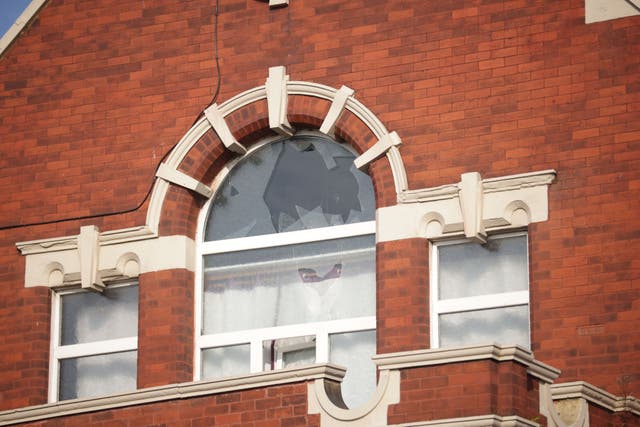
column 300, row 183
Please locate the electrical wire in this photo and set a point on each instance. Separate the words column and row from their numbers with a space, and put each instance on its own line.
column 148, row 193
column 633, row 5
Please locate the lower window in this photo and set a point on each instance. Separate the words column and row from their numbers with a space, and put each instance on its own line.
column 94, row 342
column 480, row 293
column 286, row 306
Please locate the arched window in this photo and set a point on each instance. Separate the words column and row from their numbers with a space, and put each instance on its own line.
column 287, row 265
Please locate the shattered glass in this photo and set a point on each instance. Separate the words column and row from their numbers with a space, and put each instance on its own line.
column 300, row 183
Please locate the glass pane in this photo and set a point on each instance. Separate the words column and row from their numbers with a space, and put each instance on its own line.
column 98, row 375
column 296, row 184
column 328, row 280
column 227, row 361
column 353, row 350
column 506, row 326
column 304, row 356
column 90, row 316
column 470, row 269
column 289, row 352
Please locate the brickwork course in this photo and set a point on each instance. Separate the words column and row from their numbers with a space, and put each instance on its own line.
column 94, row 94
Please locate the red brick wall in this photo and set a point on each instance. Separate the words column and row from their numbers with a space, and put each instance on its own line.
column 280, row 406
column 466, row 389
column 24, row 344
column 93, row 94
column 402, row 295
column 165, row 328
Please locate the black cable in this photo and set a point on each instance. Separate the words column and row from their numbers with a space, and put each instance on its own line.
column 101, row 215
column 633, row 5
column 146, row 196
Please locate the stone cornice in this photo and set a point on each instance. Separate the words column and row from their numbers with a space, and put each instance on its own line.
column 595, row 395
column 478, row 421
column 431, row 357
column 470, row 208
column 64, row 261
column 172, row 392
column 64, row 243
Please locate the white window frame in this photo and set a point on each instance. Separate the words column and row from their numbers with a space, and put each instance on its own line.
column 256, row 337
column 61, row 352
column 474, row 303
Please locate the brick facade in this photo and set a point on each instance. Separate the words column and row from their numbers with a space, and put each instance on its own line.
column 95, row 93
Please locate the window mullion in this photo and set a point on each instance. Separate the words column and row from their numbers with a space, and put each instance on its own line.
column 482, row 302
column 288, row 238
column 95, row 348
column 256, row 364
column 322, row 346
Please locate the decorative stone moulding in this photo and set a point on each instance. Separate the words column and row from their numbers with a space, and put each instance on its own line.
column 322, row 397
column 605, row 10
column 277, row 101
column 89, row 260
column 27, row 15
column 470, row 208
column 322, row 400
column 567, row 404
column 278, row 3
column 439, row 356
column 56, row 262
column 322, row 372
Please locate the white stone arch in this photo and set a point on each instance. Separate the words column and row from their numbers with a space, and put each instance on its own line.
column 275, row 90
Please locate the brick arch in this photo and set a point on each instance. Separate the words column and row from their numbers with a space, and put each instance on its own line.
column 227, row 130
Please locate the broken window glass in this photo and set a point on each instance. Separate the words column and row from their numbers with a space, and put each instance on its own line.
column 296, row 184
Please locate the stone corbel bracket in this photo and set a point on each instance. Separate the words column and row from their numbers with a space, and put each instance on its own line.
column 278, row 3
column 337, row 107
column 176, row 177
column 469, row 208
column 89, row 256
column 220, row 126
column 380, row 148
column 277, row 100
column 92, row 259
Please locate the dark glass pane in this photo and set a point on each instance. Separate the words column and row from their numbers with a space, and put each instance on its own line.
column 296, row 184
